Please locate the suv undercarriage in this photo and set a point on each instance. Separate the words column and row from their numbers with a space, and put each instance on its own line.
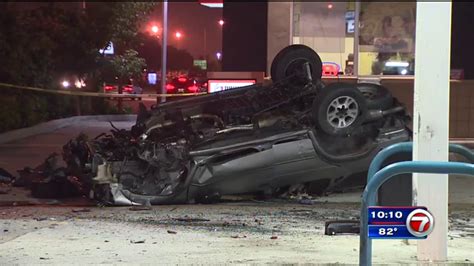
column 248, row 139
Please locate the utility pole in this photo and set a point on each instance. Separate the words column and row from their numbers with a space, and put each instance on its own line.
column 205, row 43
column 355, row 70
column 163, row 51
column 431, row 121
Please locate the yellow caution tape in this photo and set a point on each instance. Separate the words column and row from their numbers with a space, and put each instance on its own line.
column 98, row 94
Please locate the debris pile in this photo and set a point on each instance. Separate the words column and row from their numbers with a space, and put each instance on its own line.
column 71, row 174
column 50, row 180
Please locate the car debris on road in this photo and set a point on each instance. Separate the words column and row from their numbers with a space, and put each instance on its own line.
column 337, row 227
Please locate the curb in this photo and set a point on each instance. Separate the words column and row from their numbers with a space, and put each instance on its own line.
column 53, row 125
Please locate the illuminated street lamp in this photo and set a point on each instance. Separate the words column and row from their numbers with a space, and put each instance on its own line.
column 178, row 36
column 155, row 29
column 218, row 55
column 221, row 22
column 65, row 83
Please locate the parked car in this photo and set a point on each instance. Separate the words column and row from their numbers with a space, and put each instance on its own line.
column 109, row 88
column 126, row 89
column 184, row 84
column 248, row 139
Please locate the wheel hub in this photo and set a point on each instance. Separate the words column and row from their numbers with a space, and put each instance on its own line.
column 342, row 112
column 296, row 68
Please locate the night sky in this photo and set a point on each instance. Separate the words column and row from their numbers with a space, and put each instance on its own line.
column 192, row 19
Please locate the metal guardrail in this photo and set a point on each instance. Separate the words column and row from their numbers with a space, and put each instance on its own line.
column 377, row 177
column 384, row 154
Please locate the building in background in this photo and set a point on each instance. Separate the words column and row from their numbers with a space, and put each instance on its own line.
column 383, row 44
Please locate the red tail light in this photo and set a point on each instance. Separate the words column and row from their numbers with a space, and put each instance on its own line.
column 182, row 79
column 193, row 88
column 170, row 87
column 108, row 88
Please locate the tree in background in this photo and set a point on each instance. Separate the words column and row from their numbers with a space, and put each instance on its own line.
column 37, row 46
column 126, row 66
column 179, row 59
column 119, row 23
column 149, row 47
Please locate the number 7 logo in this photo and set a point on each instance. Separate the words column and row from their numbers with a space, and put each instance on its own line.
column 423, row 219
column 420, row 223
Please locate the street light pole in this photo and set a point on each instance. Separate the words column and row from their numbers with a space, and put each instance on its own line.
column 163, row 49
column 205, row 43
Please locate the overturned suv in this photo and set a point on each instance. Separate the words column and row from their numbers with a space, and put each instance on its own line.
column 250, row 139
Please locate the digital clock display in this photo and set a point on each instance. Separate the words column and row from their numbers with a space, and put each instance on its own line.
column 386, row 214
column 411, row 222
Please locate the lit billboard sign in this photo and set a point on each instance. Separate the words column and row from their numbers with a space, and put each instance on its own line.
column 215, row 85
column 350, row 21
column 152, row 78
column 108, row 50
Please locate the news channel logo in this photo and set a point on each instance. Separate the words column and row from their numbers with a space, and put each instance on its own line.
column 420, row 223
column 410, row 222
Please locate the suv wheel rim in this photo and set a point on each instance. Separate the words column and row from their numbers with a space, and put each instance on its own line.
column 342, row 112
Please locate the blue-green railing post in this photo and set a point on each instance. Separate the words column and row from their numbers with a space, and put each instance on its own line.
column 370, row 192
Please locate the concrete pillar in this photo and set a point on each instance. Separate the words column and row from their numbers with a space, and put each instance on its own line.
column 280, row 30
column 431, row 119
